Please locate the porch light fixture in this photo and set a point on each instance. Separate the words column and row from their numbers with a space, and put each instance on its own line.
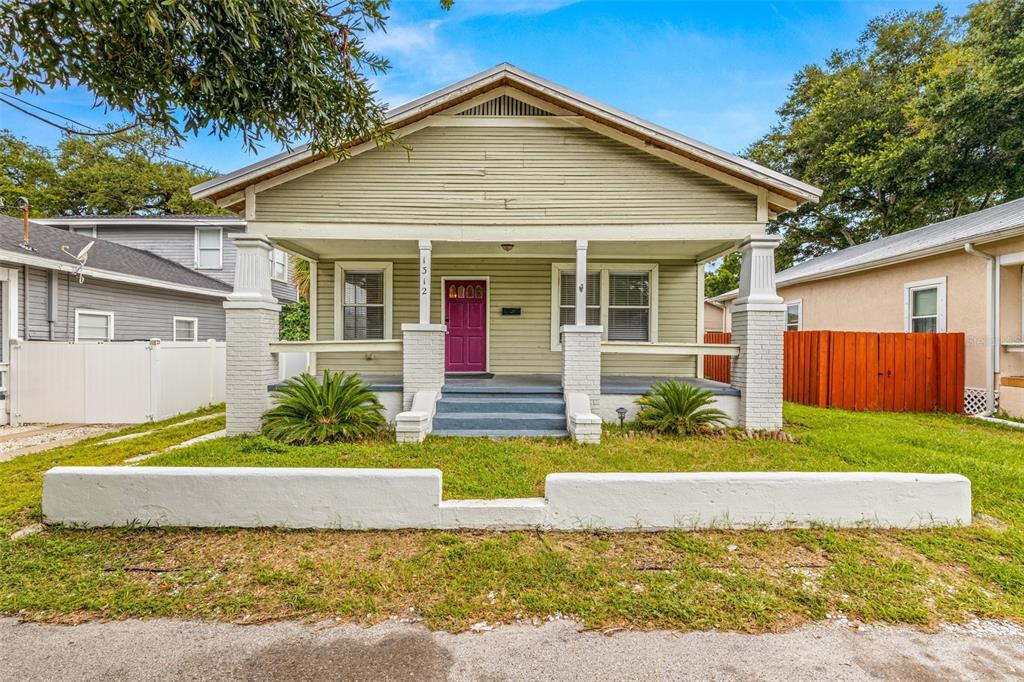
column 621, row 411
column 507, row 247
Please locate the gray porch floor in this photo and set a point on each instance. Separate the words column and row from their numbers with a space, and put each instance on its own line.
column 525, row 383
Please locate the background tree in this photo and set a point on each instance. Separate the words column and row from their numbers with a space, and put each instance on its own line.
column 28, row 171
column 289, row 70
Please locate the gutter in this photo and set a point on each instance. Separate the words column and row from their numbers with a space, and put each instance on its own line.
column 992, row 322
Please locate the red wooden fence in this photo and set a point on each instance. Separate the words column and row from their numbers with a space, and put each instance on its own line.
column 716, row 367
column 892, row 372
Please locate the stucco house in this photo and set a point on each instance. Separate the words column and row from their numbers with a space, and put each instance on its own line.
column 527, row 261
column 959, row 275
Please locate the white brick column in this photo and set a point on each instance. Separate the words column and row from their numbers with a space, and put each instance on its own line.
column 422, row 359
column 581, row 361
column 758, row 321
column 251, row 317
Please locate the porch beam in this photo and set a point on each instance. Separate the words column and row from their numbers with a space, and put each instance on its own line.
column 425, row 249
column 581, row 282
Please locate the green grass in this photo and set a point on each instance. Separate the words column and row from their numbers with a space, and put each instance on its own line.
column 749, row 581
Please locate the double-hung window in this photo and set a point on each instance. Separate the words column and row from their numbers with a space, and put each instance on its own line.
column 279, row 265
column 925, row 304
column 567, row 297
column 94, row 325
column 186, row 329
column 794, row 315
column 622, row 298
column 209, row 248
column 364, row 301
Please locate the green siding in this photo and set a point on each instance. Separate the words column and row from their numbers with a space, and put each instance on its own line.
column 506, row 176
column 518, row 345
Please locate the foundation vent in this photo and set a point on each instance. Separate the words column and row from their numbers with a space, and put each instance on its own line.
column 504, row 106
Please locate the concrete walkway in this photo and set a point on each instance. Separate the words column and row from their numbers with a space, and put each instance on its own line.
column 177, row 650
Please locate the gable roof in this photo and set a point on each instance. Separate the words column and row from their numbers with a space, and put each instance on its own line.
column 990, row 224
column 784, row 192
column 106, row 260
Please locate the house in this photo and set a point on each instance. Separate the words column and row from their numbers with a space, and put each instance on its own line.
column 115, row 293
column 199, row 242
column 526, row 261
column 958, row 275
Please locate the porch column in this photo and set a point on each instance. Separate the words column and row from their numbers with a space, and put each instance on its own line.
column 758, row 322
column 422, row 360
column 425, row 249
column 251, row 319
column 581, row 282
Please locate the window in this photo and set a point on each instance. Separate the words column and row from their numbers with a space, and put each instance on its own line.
column 621, row 297
column 925, row 304
column 794, row 315
column 84, row 230
column 629, row 306
column 209, row 248
column 279, row 265
column 567, row 298
column 363, row 298
column 94, row 325
column 186, row 329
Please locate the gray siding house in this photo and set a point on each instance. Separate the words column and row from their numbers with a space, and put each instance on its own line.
column 198, row 242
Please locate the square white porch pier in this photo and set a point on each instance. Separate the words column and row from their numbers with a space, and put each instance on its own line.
column 758, row 323
column 251, row 319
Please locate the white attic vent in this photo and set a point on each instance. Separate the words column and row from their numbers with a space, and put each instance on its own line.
column 504, row 106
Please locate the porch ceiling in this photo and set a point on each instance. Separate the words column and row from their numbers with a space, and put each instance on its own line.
column 408, row 248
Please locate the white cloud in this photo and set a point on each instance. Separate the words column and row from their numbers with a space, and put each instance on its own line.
column 479, row 8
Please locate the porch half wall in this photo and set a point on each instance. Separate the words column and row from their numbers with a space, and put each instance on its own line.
column 517, row 344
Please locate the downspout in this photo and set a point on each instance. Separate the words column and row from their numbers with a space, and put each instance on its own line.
column 992, row 321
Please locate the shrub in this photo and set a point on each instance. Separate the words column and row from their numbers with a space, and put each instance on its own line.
column 342, row 408
column 672, row 407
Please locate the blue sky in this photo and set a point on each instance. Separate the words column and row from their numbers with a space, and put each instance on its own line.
column 715, row 71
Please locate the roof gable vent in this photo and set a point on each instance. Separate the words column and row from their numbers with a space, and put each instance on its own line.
column 504, row 106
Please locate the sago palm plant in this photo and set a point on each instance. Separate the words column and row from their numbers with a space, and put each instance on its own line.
column 672, row 407
column 342, row 408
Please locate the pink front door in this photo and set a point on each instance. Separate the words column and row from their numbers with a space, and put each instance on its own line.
column 465, row 313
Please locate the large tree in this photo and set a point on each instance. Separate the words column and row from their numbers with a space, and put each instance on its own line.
column 289, row 70
column 121, row 174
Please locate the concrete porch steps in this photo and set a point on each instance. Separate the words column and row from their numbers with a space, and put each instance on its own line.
column 500, row 412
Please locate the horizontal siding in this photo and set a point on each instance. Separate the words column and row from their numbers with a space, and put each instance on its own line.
column 518, row 345
column 140, row 313
column 506, row 176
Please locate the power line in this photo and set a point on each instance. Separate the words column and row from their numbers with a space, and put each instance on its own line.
column 92, row 131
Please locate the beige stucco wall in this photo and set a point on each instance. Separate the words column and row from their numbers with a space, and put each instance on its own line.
column 506, row 176
column 521, row 344
column 873, row 300
column 714, row 318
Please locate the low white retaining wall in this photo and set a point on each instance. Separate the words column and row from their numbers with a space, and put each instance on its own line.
column 411, row 498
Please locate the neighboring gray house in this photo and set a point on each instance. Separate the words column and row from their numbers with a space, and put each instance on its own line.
column 199, row 242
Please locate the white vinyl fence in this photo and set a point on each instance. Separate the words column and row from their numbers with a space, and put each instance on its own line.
column 115, row 382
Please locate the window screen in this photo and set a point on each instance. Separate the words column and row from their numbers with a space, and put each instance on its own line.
column 629, row 306
column 363, row 305
column 185, row 330
column 925, row 310
column 208, row 247
column 567, row 298
column 793, row 317
column 93, row 327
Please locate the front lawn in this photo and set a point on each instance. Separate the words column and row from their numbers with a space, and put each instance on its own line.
column 750, row 581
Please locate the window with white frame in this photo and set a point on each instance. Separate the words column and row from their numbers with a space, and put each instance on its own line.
column 363, row 298
column 622, row 298
column 794, row 315
column 925, row 304
column 279, row 265
column 186, row 329
column 567, row 297
column 209, row 248
column 94, row 325
column 84, row 230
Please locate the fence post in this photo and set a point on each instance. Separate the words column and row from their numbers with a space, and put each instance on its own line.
column 154, row 379
column 211, row 367
column 13, row 381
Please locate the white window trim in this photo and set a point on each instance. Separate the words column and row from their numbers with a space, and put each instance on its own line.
column 195, row 327
column 604, row 268
column 940, row 307
column 273, row 265
column 86, row 311
column 799, row 303
column 220, row 242
column 74, row 229
column 339, row 288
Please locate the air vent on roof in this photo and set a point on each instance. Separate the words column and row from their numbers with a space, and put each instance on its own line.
column 504, row 106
